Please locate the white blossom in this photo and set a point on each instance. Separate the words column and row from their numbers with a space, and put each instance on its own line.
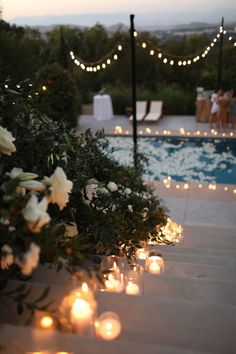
column 71, row 229
column 60, row 188
column 127, row 191
column 29, row 260
column 91, row 191
column 35, row 213
column 112, row 186
column 14, row 172
column 130, row 208
column 103, row 190
column 6, row 142
column 7, row 257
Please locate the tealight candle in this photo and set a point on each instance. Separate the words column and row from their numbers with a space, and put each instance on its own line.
column 108, row 326
column 154, row 264
column 132, row 288
column 141, row 253
column 81, row 310
column 113, row 284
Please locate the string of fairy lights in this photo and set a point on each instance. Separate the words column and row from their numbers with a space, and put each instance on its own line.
column 100, row 64
column 166, row 58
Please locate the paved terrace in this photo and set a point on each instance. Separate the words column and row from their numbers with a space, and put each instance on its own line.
column 167, row 125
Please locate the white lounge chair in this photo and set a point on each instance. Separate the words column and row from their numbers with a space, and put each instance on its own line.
column 141, row 110
column 155, row 111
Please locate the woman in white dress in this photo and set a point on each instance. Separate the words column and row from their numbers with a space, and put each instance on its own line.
column 215, row 106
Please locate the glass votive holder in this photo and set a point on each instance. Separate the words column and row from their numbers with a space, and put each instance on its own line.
column 78, row 309
column 134, row 280
column 141, row 253
column 154, row 264
column 108, row 326
column 113, row 281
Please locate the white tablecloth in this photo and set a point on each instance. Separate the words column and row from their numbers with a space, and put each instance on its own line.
column 102, row 107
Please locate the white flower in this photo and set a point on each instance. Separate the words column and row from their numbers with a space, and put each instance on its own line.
column 60, row 188
column 113, row 207
column 130, row 208
column 6, row 142
column 14, row 172
column 33, row 186
column 103, row 190
column 71, row 230
column 7, row 257
column 30, row 259
column 112, row 186
column 91, row 191
column 36, row 213
column 127, row 191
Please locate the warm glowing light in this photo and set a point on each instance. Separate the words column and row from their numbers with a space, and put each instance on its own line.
column 46, row 322
column 152, row 52
column 154, row 264
column 44, row 88
column 230, row 38
column 119, row 47
column 165, row 60
column 179, row 62
column 115, row 57
column 186, row 186
column 200, row 186
column 148, row 130
column 135, row 33
column 108, row 61
column 108, row 326
column 132, row 288
column 81, row 310
column 171, row 231
column 172, row 62
column 141, row 253
column 177, row 186
column 103, row 65
column 144, row 45
column 225, row 188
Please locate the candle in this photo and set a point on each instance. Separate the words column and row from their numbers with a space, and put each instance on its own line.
column 113, row 284
column 46, row 322
column 81, row 310
column 108, row 326
column 132, row 288
column 154, row 264
column 141, row 253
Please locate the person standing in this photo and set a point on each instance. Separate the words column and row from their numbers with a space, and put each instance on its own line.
column 215, row 106
column 232, row 109
column 223, row 111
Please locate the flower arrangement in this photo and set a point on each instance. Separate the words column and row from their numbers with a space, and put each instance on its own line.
column 76, row 202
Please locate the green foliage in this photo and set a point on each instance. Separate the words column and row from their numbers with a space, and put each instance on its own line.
column 104, row 222
column 60, row 100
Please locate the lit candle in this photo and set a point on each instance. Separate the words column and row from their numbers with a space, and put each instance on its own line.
column 46, row 322
column 132, row 288
column 81, row 310
column 108, row 326
column 141, row 253
column 113, row 284
column 154, row 264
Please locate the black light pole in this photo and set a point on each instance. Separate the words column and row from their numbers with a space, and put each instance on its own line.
column 63, row 49
column 133, row 69
column 219, row 75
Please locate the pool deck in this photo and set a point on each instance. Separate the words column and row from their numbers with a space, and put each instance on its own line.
column 167, row 125
column 189, row 204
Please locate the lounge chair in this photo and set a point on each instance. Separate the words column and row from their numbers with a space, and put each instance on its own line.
column 155, row 111
column 141, row 110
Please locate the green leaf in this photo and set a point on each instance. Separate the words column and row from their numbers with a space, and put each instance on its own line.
column 43, row 295
column 10, row 187
column 20, row 308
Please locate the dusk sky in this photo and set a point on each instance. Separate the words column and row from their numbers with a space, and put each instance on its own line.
column 16, row 8
column 110, row 12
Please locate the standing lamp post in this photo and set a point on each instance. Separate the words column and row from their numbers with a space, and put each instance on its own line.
column 219, row 75
column 133, row 70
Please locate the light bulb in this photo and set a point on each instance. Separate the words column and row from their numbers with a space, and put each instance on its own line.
column 144, row 45
column 152, row 52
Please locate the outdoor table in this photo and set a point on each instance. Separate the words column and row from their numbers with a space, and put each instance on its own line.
column 102, row 107
column 203, row 109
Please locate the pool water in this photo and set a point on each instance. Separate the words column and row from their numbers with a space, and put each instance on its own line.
column 184, row 159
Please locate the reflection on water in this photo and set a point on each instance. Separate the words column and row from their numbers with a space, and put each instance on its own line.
column 191, row 160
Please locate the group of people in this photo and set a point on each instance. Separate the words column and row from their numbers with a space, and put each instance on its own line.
column 223, row 110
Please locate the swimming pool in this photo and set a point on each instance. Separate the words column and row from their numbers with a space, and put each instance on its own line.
column 184, row 159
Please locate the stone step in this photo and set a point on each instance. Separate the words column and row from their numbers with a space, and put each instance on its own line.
column 216, row 233
column 12, row 339
column 195, row 270
column 223, row 261
column 178, row 323
column 192, row 289
column 160, row 321
column 182, row 249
